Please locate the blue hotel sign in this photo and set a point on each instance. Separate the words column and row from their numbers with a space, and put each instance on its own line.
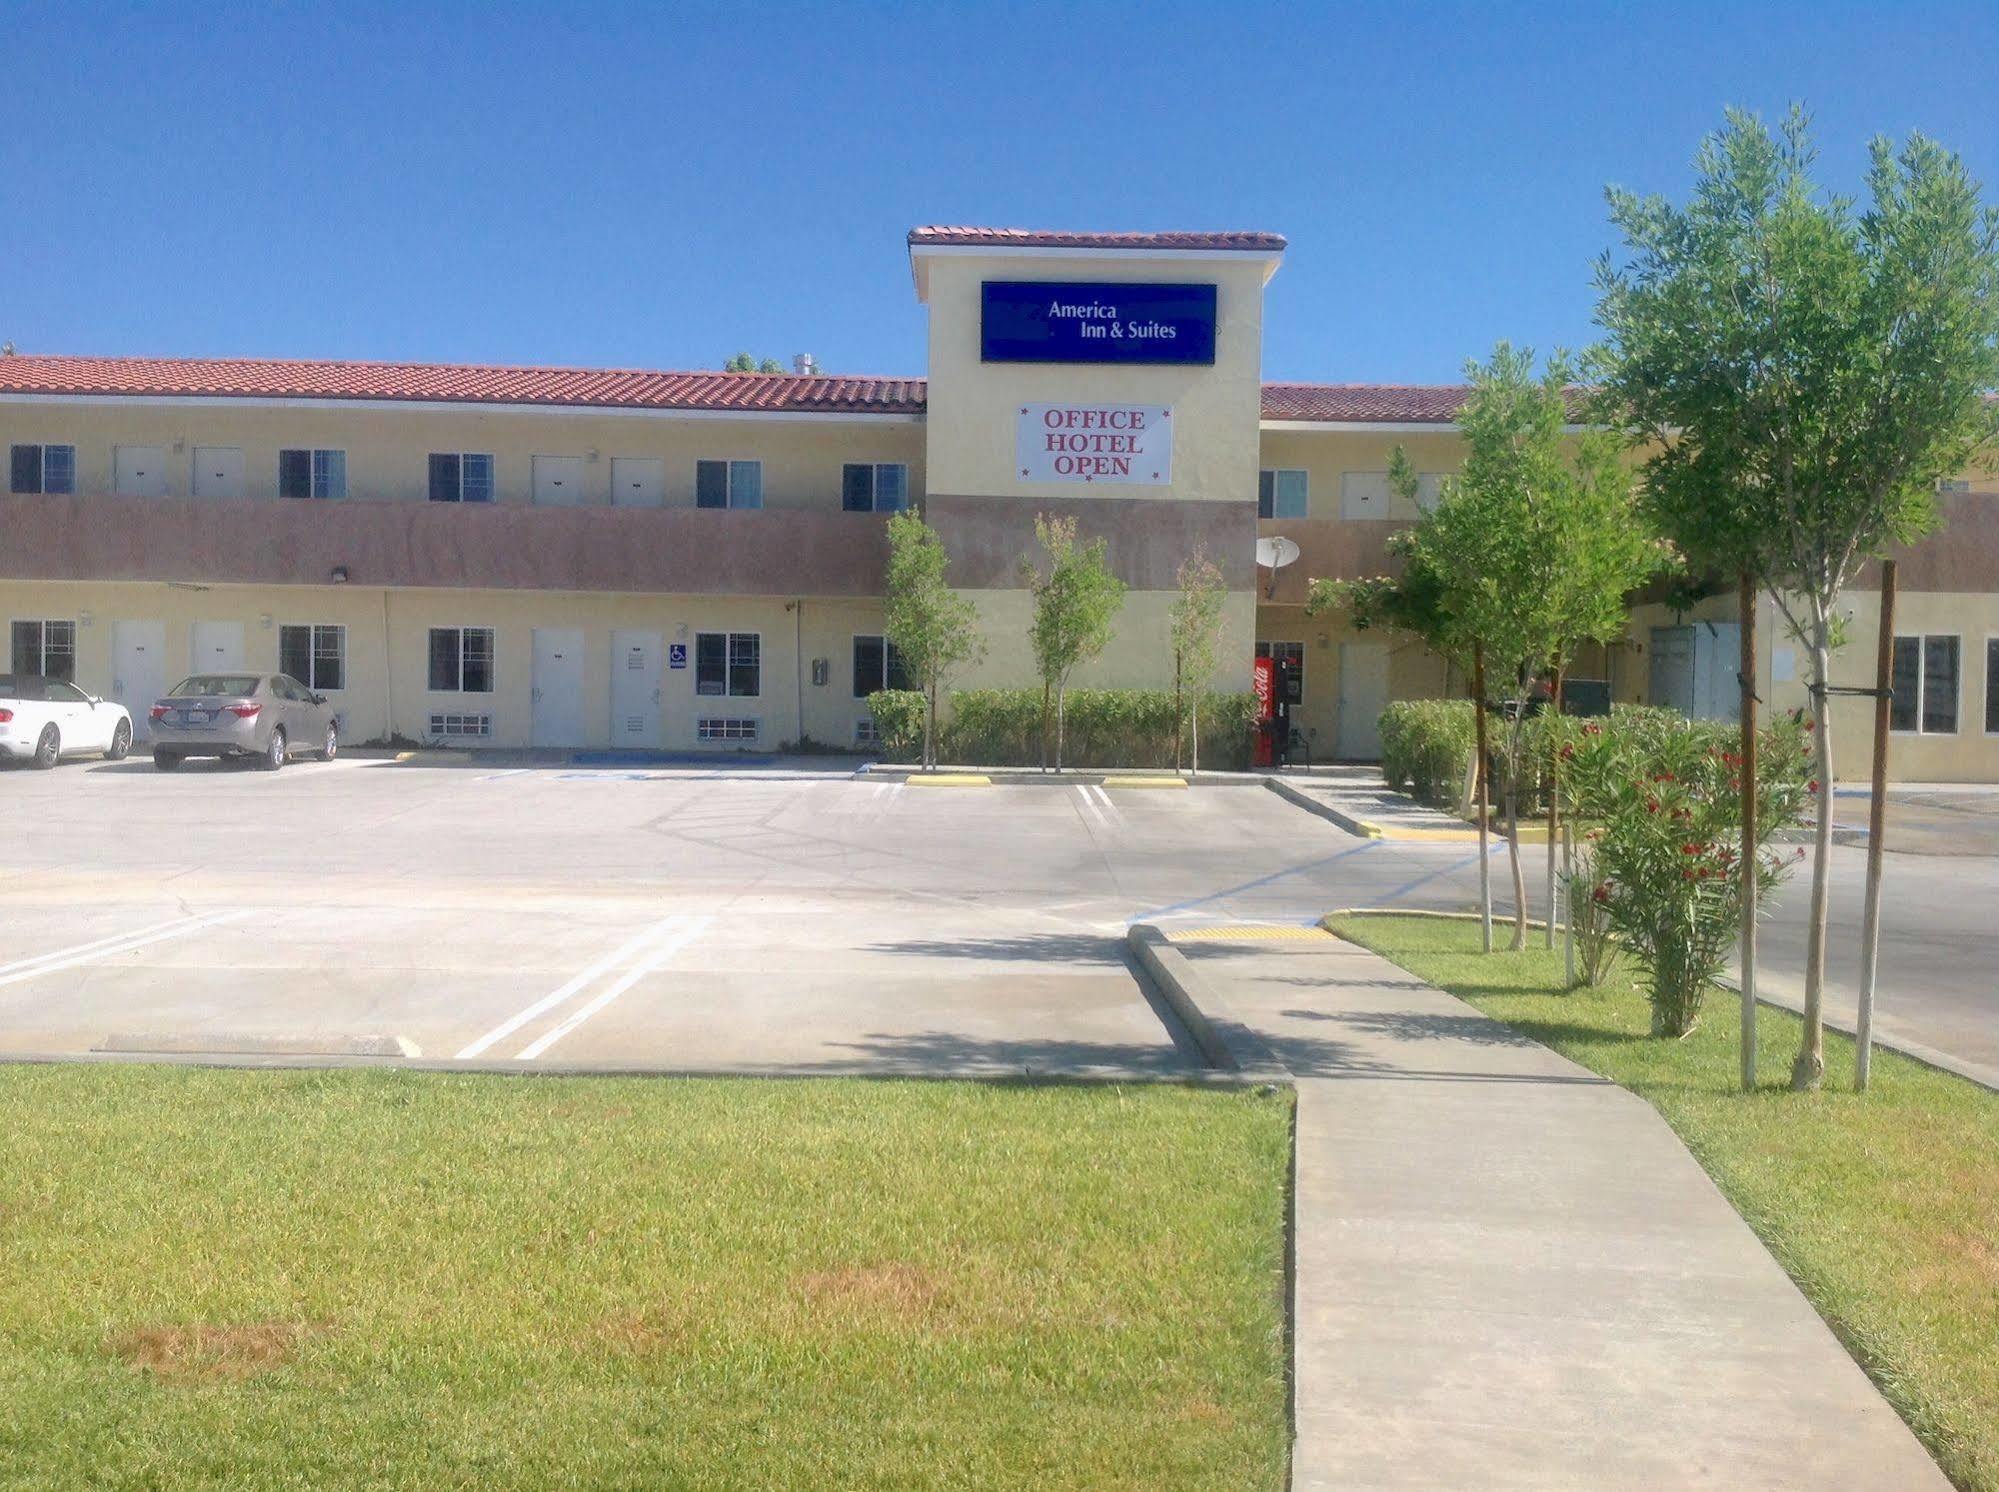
column 1064, row 321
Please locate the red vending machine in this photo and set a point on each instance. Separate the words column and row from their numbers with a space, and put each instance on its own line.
column 1264, row 682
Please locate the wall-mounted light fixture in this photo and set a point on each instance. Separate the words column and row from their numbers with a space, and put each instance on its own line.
column 338, row 575
column 264, row 621
column 84, row 619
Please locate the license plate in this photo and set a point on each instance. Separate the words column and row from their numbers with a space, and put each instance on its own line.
column 196, row 717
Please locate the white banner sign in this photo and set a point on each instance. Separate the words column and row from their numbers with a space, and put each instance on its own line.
column 1131, row 443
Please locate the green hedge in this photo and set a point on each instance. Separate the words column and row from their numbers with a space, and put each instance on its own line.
column 1102, row 728
column 1427, row 746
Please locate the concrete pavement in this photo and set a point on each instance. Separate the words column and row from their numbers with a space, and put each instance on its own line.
column 1511, row 1274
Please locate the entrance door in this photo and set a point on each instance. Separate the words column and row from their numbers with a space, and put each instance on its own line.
column 1672, row 672
column 1363, row 696
column 138, row 669
column 638, row 481
column 558, row 480
column 558, row 687
column 139, row 471
column 218, row 471
column 217, row 648
column 635, row 688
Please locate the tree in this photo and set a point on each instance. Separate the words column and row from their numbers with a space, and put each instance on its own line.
column 1196, row 627
column 1076, row 599
column 932, row 628
column 1802, row 375
column 742, row 362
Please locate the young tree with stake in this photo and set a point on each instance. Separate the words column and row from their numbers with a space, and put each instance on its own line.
column 1076, row 599
column 1803, row 374
column 931, row 626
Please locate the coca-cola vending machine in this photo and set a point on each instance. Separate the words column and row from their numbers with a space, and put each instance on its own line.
column 1263, row 681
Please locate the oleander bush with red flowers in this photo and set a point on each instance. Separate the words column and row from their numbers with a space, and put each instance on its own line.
column 1662, row 801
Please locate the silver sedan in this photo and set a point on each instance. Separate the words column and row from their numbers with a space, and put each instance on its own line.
column 266, row 717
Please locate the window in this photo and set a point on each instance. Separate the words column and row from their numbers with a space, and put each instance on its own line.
column 49, row 469
column 1280, row 494
column 729, row 663
column 882, row 487
column 866, row 732
column 460, row 477
column 461, row 660
column 315, row 655
column 1292, row 653
column 725, row 728
column 877, row 665
column 1992, row 686
column 728, row 484
column 45, row 647
column 303, row 473
column 461, row 725
column 1925, row 681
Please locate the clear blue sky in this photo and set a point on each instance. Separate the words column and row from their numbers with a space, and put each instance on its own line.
column 658, row 186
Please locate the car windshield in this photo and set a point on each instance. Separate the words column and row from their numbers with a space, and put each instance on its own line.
column 216, row 683
column 23, row 686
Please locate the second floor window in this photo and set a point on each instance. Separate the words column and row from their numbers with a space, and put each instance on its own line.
column 312, row 473
column 729, row 663
column 874, row 487
column 1280, row 493
column 461, row 660
column 46, row 648
column 314, row 655
column 43, row 469
column 728, row 484
column 460, row 477
column 877, row 665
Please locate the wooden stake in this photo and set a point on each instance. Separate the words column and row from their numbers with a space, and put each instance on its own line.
column 1484, row 796
column 1747, row 867
column 1877, row 821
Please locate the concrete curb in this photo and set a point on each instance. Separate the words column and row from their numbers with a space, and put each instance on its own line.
column 242, row 1044
column 1346, row 821
column 1225, row 1043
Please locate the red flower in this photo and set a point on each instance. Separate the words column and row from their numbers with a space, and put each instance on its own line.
column 1602, row 892
column 1687, row 874
column 1568, row 753
column 1690, row 849
column 1812, row 786
column 1810, row 724
column 1592, row 730
column 1651, row 805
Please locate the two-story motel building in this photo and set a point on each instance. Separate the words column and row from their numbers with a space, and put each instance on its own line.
column 622, row 559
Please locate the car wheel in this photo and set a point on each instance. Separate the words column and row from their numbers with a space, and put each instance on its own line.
column 166, row 761
column 274, row 754
column 332, row 747
column 121, row 742
column 48, row 749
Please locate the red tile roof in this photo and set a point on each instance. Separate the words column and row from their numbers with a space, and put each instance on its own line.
column 769, row 393
column 1037, row 238
column 259, row 378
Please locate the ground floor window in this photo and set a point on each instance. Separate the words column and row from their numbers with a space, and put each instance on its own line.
column 461, row 660
column 725, row 728
column 452, row 724
column 877, row 665
column 728, row 663
column 45, row 648
column 1292, row 653
column 1925, row 682
column 313, row 654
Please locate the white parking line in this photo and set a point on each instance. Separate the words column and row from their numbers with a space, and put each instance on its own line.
column 631, row 948
column 691, row 928
column 83, row 953
column 1111, row 810
column 1088, row 804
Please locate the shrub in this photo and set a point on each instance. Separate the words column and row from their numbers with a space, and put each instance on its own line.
column 1663, row 795
column 1427, row 747
column 1105, row 728
column 899, row 721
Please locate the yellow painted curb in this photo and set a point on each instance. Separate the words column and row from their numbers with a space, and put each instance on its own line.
column 948, row 779
column 1434, row 836
column 1249, row 933
column 404, row 756
column 1145, row 782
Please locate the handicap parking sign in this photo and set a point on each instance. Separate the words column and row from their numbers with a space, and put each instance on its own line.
column 676, row 655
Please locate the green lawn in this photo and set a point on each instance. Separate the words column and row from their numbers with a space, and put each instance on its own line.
column 1885, row 1208
column 346, row 1278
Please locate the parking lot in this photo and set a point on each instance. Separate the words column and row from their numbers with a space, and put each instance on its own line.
column 693, row 918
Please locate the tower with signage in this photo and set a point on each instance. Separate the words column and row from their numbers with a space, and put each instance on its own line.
column 1114, row 378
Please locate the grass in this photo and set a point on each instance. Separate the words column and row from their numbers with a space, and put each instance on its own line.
column 1884, row 1208
column 400, row 1280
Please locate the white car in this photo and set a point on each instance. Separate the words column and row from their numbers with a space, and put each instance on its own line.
column 44, row 720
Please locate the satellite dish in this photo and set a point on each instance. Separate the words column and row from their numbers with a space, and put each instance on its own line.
column 1275, row 552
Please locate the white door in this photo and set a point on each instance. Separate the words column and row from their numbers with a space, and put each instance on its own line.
column 1672, row 670
column 558, row 687
column 138, row 669
column 217, row 647
column 635, row 688
column 558, row 480
column 1363, row 495
column 139, row 471
column 1363, row 696
column 218, row 471
column 638, row 481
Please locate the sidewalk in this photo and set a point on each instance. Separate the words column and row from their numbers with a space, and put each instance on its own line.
column 1511, row 1274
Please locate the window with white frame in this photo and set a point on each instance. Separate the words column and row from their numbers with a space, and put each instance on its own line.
column 312, row 473
column 728, row 484
column 461, row 477
column 46, row 648
column 866, row 732
column 726, row 728
column 1992, row 686
column 877, row 665
column 728, row 663
column 1925, row 681
column 1281, row 493
column 42, row 468
column 461, row 660
column 1292, row 653
column 874, row 487
column 450, row 723
column 314, row 653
